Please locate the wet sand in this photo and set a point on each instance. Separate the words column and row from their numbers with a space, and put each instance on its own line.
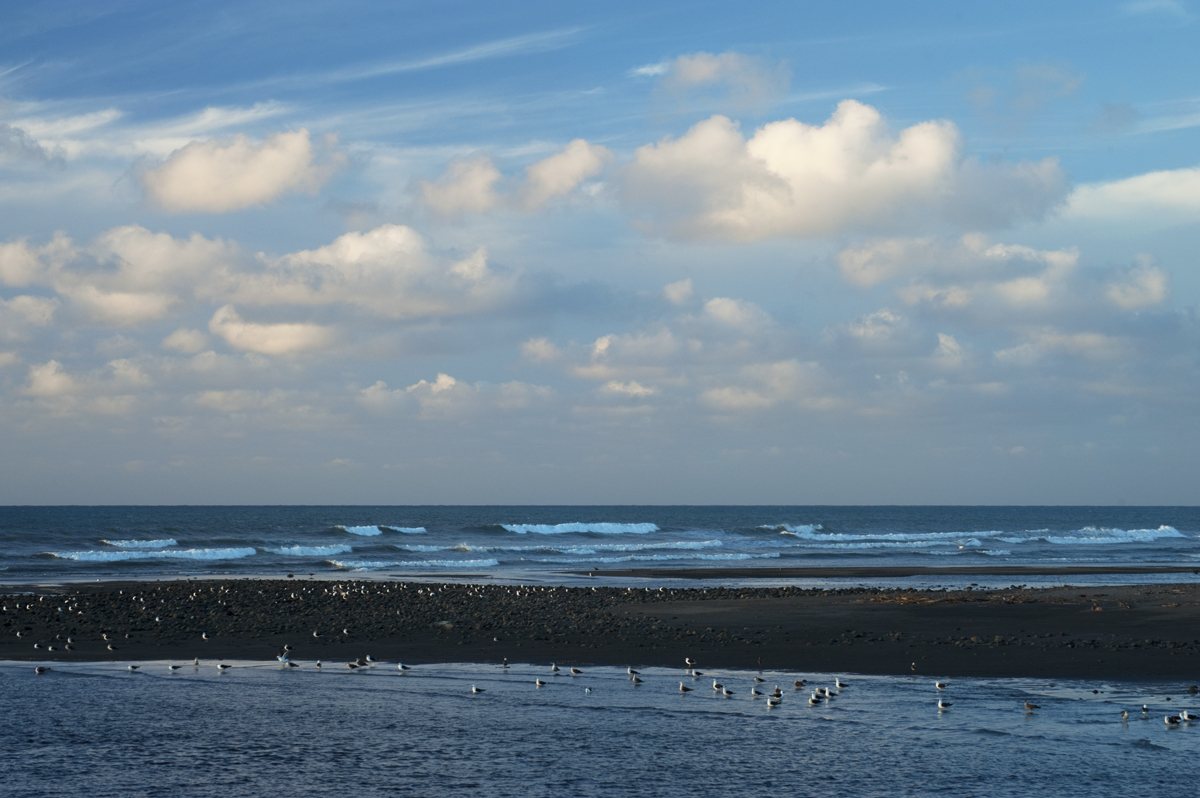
column 1126, row 632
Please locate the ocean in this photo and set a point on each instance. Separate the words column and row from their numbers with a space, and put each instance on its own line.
column 48, row 544
column 97, row 729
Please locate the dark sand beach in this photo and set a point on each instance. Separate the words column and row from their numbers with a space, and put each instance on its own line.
column 1127, row 632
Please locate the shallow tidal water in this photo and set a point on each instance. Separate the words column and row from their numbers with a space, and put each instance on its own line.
column 257, row 729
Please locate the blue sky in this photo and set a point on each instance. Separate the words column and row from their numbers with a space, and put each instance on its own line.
column 677, row 253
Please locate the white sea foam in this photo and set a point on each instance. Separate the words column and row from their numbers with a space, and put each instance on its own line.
column 663, row 558
column 590, row 548
column 174, row 554
column 379, row 565
column 407, row 530
column 814, row 533
column 600, row 528
column 365, row 531
column 141, row 544
column 1098, row 536
column 311, row 551
column 792, row 529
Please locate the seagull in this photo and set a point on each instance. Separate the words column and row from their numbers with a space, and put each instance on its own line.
column 553, row 668
column 223, row 667
column 103, row 635
column 351, row 665
column 360, row 662
column 111, row 647
column 286, row 648
column 773, row 701
column 369, row 658
column 631, row 671
column 133, row 668
column 400, row 666
column 174, row 667
column 39, row 645
column 315, row 633
column 761, row 679
column 1171, row 720
column 505, row 663
column 1031, row 707
column 683, row 689
column 717, row 686
column 727, row 692
column 1125, row 714
column 40, row 669
column 1185, row 716
column 689, row 662
column 587, row 690
column 204, row 635
column 755, row 693
column 291, row 664
column 196, row 661
column 575, row 671
column 943, row 704
column 1145, row 709
column 475, row 689
column 840, row 684
column 318, row 664
column 812, row 701
column 539, row 683
column 941, row 685
column 636, row 680
column 345, row 631
column 797, row 684
column 697, row 673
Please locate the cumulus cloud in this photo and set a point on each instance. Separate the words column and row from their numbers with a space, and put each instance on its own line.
column 49, row 380
column 1158, row 198
column 448, row 398
column 679, row 293
column 1144, row 286
column 794, row 179
column 468, row 186
column 473, row 185
column 186, row 341
column 540, row 350
column 268, row 339
column 766, row 385
column 735, row 78
column 971, row 272
column 561, row 173
column 632, row 388
column 22, row 313
column 18, row 144
column 387, row 270
column 220, row 176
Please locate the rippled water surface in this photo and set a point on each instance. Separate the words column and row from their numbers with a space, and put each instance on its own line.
column 41, row 543
column 256, row 729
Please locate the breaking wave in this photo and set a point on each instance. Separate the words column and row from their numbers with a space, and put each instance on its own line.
column 173, row 554
column 379, row 565
column 141, row 544
column 600, row 529
column 372, row 531
column 587, row 548
column 311, row 551
column 665, row 558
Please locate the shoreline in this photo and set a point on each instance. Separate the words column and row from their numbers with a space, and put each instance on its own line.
column 1118, row 631
column 886, row 571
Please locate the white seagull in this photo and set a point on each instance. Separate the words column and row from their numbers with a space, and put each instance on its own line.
column 475, row 689
column 944, row 704
column 539, row 683
column 223, row 667
column 400, row 666
column 684, row 689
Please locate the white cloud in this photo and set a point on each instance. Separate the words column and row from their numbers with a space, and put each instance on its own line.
column 1157, row 198
column 1143, row 286
column 949, row 352
column 769, row 384
column 744, row 80
column 50, row 380
column 189, row 342
column 540, row 350
column 559, row 174
column 9, row 359
column 679, row 293
column 268, row 339
column 215, row 176
column 631, row 388
column 468, row 185
column 21, row 264
column 387, row 270
column 794, row 179
column 1049, row 341
column 736, row 313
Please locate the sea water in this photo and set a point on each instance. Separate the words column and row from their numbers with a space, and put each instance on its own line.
column 40, row 544
column 97, row 729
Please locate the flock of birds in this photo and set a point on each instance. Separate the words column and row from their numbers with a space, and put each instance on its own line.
column 818, row 695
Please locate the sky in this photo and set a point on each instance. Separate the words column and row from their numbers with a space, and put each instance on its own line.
column 621, row 253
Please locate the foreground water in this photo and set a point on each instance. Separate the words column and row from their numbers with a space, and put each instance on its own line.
column 47, row 543
column 97, row 729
